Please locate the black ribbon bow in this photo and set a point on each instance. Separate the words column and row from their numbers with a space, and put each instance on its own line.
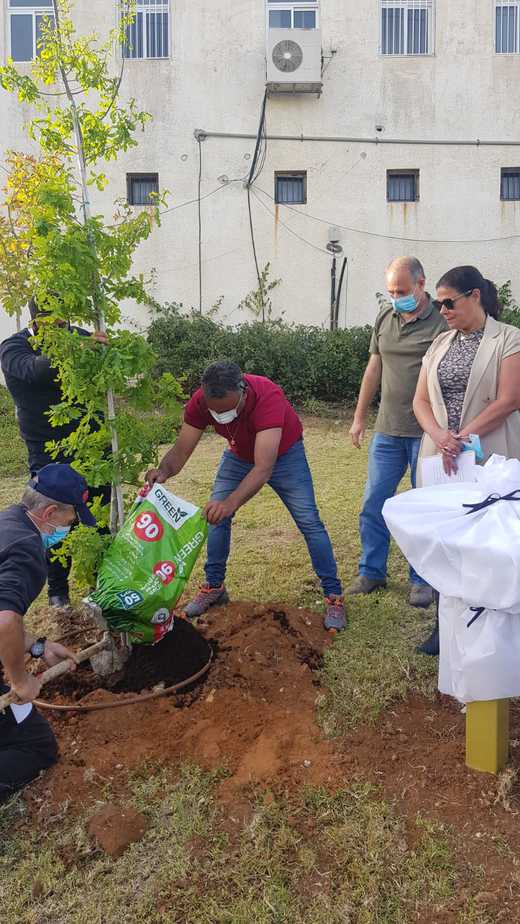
column 478, row 610
column 493, row 499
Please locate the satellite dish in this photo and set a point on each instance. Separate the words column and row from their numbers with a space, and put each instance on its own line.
column 287, row 56
column 334, row 247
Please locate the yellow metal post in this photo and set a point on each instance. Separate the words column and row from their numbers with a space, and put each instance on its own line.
column 487, row 735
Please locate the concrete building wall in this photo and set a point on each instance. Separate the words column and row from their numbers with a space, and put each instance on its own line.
column 215, row 79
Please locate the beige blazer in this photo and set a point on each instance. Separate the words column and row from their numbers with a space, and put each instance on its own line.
column 499, row 341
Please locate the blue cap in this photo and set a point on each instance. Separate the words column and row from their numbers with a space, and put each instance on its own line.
column 60, row 482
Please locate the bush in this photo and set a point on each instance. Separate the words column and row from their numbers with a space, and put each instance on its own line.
column 308, row 362
column 510, row 309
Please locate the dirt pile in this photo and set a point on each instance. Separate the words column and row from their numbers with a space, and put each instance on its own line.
column 254, row 713
column 114, row 828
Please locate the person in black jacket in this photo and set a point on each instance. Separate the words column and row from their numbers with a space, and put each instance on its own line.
column 51, row 503
column 32, row 383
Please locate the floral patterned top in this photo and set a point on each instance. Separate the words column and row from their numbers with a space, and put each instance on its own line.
column 454, row 371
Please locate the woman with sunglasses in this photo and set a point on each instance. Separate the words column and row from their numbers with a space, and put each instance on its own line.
column 470, row 378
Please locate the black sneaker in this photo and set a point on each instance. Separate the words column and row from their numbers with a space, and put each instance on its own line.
column 431, row 645
column 59, row 601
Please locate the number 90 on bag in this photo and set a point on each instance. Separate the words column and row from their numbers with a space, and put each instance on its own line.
column 148, row 527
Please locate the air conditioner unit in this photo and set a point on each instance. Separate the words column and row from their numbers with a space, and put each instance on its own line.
column 294, row 61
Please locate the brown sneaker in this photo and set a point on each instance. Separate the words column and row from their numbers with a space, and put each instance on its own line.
column 206, row 598
column 364, row 585
column 335, row 619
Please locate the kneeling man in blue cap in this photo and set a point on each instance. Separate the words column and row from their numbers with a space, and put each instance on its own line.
column 53, row 500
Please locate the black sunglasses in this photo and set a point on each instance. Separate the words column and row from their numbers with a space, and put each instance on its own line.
column 449, row 303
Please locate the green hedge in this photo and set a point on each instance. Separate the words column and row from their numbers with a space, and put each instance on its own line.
column 308, row 362
column 510, row 308
column 311, row 364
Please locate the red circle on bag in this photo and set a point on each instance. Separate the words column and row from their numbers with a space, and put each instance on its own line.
column 165, row 570
column 148, row 527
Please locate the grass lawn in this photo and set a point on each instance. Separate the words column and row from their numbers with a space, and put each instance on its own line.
column 311, row 857
column 315, row 859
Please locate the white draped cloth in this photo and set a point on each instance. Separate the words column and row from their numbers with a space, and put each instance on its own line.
column 464, row 539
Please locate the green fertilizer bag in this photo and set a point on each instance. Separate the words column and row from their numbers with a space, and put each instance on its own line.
column 146, row 568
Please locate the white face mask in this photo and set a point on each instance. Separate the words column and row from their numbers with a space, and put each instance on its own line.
column 226, row 417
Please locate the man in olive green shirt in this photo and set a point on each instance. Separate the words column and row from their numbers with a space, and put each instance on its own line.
column 403, row 331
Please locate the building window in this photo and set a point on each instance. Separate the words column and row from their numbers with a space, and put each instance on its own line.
column 140, row 188
column 510, row 183
column 507, row 27
column 290, row 188
column 406, row 27
column 26, row 18
column 402, row 185
column 291, row 15
column 148, row 36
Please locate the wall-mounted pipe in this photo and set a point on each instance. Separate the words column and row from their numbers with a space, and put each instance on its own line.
column 340, row 139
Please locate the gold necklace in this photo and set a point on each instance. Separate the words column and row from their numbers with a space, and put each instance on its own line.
column 231, row 436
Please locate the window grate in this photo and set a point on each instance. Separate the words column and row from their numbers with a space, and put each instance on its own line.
column 510, row 184
column 402, row 186
column 406, row 27
column 148, row 36
column 140, row 187
column 290, row 188
column 507, row 27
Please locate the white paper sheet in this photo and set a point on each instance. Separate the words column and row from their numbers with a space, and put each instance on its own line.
column 432, row 470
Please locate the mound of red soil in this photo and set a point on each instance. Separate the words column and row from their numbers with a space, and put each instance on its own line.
column 255, row 714
column 114, row 828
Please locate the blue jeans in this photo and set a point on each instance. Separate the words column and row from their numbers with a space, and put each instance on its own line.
column 388, row 460
column 292, row 481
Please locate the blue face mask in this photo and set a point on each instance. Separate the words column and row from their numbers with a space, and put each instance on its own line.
column 59, row 534
column 405, row 304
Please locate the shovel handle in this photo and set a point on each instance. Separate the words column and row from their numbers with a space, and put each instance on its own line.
column 62, row 668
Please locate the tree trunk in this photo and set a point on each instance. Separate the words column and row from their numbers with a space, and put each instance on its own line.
column 117, row 513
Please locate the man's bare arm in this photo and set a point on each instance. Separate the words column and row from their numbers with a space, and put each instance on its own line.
column 267, row 443
column 369, row 385
column 13, row 645
column 176, row 457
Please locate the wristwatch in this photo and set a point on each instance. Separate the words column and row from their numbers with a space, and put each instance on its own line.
column 38, row 647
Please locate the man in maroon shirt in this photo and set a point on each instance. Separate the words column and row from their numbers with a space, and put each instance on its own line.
column 264, row 434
